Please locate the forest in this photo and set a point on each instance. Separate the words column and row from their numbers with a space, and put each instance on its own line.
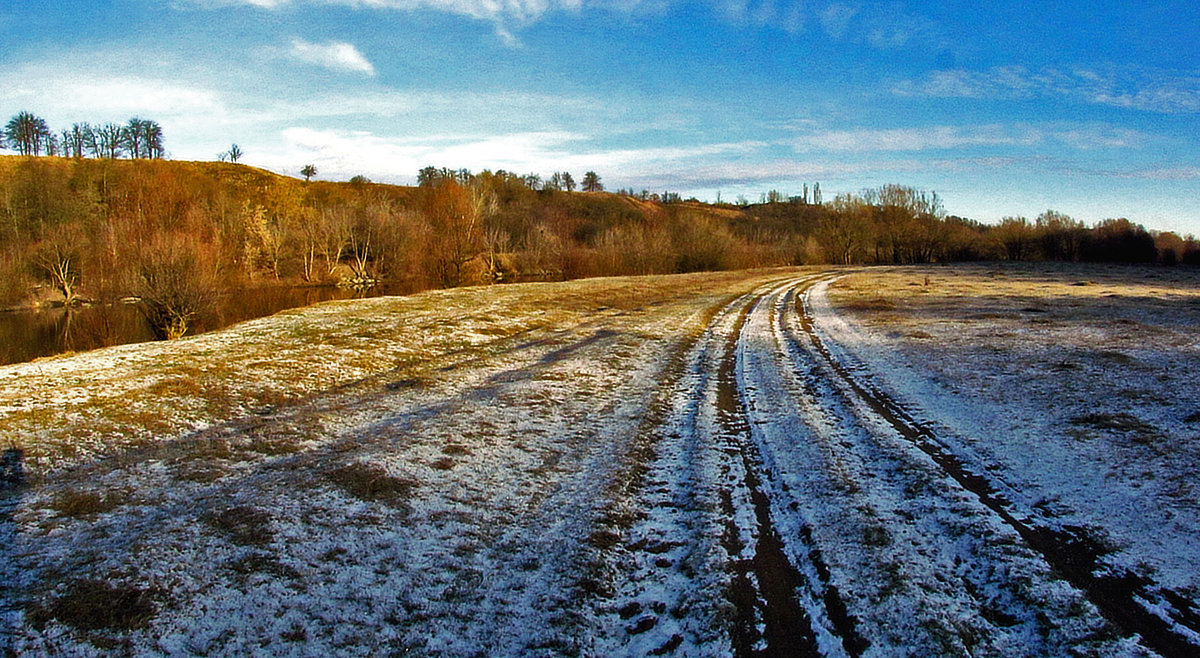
column 172, row 234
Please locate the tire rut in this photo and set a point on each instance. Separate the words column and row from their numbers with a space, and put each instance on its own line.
column 796, row 603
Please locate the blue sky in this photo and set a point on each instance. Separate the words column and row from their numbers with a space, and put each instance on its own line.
column 1003, row 108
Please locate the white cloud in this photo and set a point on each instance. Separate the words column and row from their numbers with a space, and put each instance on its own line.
column 879, row 25
column 65, row 95
column 334, row 55
column 341, row 153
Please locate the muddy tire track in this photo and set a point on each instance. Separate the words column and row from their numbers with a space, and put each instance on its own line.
column 894, row 556
column 710, row 548
column 1162, row 620
column 765, row 584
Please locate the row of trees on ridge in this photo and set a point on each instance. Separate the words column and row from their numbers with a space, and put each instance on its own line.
column 29, row 134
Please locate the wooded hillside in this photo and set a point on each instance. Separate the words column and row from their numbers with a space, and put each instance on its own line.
column 172, row 232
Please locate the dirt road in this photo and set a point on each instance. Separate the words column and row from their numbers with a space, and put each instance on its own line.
column 662, row 478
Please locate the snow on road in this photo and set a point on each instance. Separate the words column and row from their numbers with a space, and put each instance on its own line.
column 742, row 472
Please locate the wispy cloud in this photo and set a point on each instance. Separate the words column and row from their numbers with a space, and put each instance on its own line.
column 333, row 55
column 65, row 96
column 1164, row 174
column 912, row 139
column 787, row 16
column 1078, row 136
column 1163, row 92
column 835, row 19
column 878, row 25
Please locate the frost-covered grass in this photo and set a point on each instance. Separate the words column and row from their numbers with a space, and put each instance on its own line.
column 427, row 474
column 69, row 410
column 1077, row 385
column 589, row 467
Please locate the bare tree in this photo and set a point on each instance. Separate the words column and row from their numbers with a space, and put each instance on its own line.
column 77, row 140
column 144, row 138
column 1016, row 235
column 232, row 155
column 843, row 231
column 591, row 182
column 110, row 141
column 56, row 259
column 176, row 281
column 28, row 134
column 455, row 214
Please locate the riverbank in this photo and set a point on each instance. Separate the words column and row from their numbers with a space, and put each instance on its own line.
column 47, row 327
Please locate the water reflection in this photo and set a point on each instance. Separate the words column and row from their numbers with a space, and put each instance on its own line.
column 27, row 335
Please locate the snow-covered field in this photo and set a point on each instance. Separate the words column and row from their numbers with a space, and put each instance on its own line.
column 789, row 462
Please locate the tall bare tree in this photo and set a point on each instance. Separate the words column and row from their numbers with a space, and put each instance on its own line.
column 28, row 134
column 78, row 140
column 144, row 138
column 454, row 212
column 591, row 182
column 110, row 141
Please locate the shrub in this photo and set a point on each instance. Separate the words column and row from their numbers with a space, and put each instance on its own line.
column 85, row 503
column 176, row 282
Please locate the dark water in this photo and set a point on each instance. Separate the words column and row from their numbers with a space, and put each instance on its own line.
column 27, row 335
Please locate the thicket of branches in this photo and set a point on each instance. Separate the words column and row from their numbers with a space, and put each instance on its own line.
column 173, row 233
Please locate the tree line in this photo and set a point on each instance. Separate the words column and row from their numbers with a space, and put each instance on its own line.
column 559, row 181
column 896, row 224
column 30, row 135
column 174, row 234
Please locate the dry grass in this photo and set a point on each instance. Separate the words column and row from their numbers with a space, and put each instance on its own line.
column 1016, row 296
column 82, row 504
column 95, row 605
column 371, row 483
column 1128, row 424
column 242, row 524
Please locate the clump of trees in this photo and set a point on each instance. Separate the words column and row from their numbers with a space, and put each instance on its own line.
column 30, row 135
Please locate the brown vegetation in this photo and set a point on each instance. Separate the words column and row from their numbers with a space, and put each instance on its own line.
column 175, row 233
